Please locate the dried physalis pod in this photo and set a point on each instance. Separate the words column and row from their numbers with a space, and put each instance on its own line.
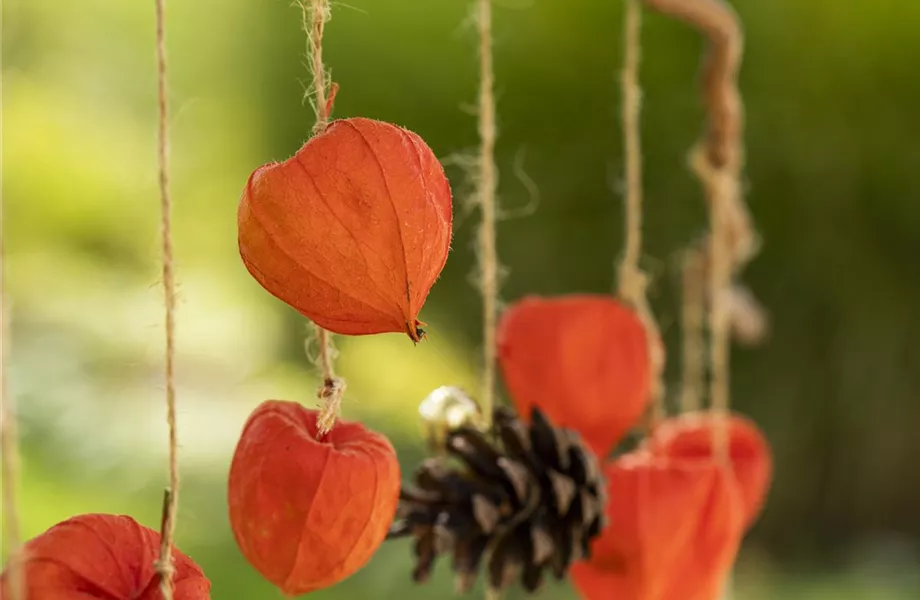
column 353, row 230
column 309, row 511
column 102, row 556
column 692, row 436
column 582, row 359
column 447, row 409
column 525, row 501
column 674, row 527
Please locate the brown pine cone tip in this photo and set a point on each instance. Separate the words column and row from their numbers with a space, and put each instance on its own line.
column 532, row 500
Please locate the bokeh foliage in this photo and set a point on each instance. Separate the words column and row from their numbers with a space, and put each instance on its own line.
column 831, row 93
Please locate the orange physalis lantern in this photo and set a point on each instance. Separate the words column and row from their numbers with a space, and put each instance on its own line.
column 673, row 530
column 309, row 512
column 103, row 556
column 582, row 359
column 690, row 436
column 353, row 230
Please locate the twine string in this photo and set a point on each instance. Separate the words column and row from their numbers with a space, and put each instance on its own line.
column 693, row 292
column 486, row 181
column 720, row 186
column 164, row 566
column 717, row 161
column 633, row 282
column 485, row 194
column 315, row 15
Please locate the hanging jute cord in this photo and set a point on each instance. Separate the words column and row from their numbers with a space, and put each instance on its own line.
column 164, row 565
column 693, row 314
column 9, row 445
column 717, row 161
column 486, row 182
column 633, row 283
column 314, row 23
column 485, row 194
column 315, row 15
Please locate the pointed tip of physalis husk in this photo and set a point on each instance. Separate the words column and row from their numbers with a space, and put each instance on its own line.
column 416, row 332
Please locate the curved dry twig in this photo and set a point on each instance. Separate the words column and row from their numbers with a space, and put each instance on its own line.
column 717, row 160
column 722, row 145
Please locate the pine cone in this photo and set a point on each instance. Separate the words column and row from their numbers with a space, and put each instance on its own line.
column 532, row 500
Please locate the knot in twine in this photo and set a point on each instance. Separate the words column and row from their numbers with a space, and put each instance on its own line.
column 165, row 568
column 723, row 188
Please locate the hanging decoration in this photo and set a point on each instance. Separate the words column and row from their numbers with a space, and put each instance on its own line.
column 582, row 359
column 524, row 505
column 103, row 556
column 308, row 511
column 690, row 436
column 677, row 516
column 680, row 504
column 674, row 527
column 353, row 230
column 677, row 507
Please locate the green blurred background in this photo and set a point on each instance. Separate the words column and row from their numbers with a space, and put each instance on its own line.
column 832, row 91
